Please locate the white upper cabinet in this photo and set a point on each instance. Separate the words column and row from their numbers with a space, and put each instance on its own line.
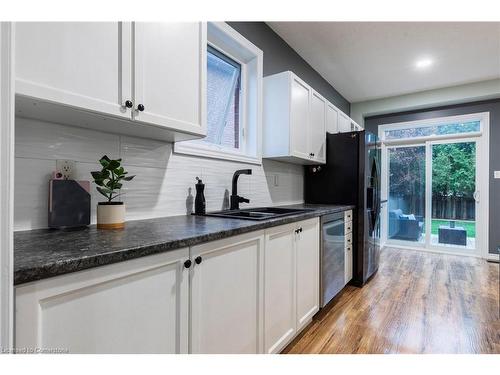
column 170, row 64
column 338, row 122
column 142, row 79
column 294, row 120
column 355, row 126
column 317, row 139
column 344, row 123
column 299, row 118
column 227, row 295
column 332, row 118
column 80, row 64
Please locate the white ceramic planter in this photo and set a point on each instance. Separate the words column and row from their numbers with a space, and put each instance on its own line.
column 111, row 216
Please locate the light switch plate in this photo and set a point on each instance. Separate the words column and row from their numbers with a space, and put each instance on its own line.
column 497, row 174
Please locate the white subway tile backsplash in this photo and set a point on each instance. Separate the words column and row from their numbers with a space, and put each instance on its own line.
column 31, row 192
column 163, row 180
column 43, row 140
column 144, row 152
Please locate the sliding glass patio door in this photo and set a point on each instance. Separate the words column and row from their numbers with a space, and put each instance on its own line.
column 452, row 194
column 431, row 174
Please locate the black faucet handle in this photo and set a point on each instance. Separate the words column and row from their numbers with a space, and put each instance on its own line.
column 243, row 200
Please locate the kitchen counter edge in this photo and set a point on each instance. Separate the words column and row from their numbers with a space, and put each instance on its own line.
column 40, row 254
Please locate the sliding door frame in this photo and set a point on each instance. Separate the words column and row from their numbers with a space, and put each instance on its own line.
column 482, row 176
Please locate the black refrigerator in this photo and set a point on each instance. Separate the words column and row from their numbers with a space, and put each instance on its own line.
column 351, row 176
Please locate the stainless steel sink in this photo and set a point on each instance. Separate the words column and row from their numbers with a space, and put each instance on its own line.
column 261, row 213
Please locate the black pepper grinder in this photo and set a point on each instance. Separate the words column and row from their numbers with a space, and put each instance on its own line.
column 199, row 201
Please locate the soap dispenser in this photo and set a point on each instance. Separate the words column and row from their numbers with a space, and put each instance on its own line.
column 199, row 201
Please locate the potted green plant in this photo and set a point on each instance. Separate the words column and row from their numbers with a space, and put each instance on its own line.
column 109, row 180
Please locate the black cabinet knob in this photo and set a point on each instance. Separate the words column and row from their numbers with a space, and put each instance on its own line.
column 140, row 107
column 312, row 154
column 198, row 260
column 300, row 230
column 187, row 263
column 129, row 104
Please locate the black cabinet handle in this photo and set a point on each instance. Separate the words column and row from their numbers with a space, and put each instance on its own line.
column 129, row 104
column 187, row 263
column 198, row 260
column 300, row 230
column 140, row 107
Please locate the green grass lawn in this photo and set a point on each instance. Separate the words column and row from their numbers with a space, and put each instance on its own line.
column 469, row 226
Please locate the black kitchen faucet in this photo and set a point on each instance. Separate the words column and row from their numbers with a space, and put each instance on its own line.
column 235, row 198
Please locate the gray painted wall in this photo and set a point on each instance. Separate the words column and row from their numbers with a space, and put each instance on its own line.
column 491, row 106
column 279, row 56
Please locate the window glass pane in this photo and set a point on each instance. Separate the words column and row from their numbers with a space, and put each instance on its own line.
column 438, row 129
column 223, row 100
column 453, row 186
column 406, row 194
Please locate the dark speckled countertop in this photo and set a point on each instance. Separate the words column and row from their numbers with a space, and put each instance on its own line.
column 44, row 253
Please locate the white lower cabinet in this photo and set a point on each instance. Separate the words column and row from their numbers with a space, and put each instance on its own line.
column 307, row 253
column 291, row 281
column 227, row 295
column 137, row 306
column 250, row 293
column 279, row 292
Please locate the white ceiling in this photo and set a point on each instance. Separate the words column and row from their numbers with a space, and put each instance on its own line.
column 369, row 60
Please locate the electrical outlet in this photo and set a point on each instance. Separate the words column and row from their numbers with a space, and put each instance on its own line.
column 67, row 168
column 497, row 174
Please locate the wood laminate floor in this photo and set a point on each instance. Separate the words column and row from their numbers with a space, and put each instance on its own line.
column 418, row 302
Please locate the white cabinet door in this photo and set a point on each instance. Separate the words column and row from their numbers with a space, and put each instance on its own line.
column 226, row 295
column 299, row 118
column 344, row 123
column 307, row 248
column 279, row 292
column 317, row 127
column 170, row 74
column 80, row 64
column 332, row 117
column 137, row 306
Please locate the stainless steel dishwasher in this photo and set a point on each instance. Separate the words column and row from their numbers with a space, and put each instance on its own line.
column 332, row 256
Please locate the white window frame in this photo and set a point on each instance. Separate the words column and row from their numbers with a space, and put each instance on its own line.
column 232, row 44
column 426, row 123
column 483, row 142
